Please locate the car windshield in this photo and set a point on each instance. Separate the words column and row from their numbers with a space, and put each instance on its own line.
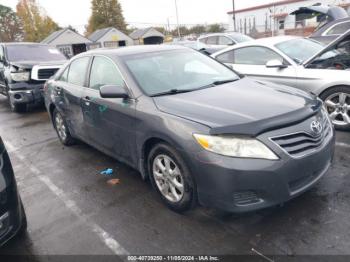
column 239, row 38
column 179, row 70
column 300, row 49
column 33, row 53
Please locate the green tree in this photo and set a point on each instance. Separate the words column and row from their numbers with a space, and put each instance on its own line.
column 197, row 29
column 215, row 28
column 10, row 26
column 36, row 24
column 106, row 13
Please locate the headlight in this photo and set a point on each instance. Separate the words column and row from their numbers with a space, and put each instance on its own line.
column 243, row 147
column 20, row 76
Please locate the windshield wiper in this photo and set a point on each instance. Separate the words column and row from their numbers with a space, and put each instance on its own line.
column 173, row 92
column 221, row 82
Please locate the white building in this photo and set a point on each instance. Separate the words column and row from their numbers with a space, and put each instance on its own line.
column 111, row 37
column 261, row 20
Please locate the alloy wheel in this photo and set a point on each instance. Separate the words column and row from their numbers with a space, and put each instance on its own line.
column 338, row 107
column 60, row 127
column 168, row 178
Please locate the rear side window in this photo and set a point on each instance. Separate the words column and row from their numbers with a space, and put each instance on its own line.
column 104, row 72
column 223, row 40
column 212, row 40
column 77, row 71
column 255, row 55
column 339, row 29
column 227, row 57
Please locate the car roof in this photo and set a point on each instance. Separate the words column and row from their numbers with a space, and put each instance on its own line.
column 221, row 34
column 269, row 41
column 134, row 50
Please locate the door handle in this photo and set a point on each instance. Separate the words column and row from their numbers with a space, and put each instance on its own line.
column 87, row 100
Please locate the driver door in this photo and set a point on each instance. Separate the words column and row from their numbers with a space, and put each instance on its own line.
column 251, row 61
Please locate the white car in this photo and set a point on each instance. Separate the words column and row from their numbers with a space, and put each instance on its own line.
column 302, row 63
column 223, row 40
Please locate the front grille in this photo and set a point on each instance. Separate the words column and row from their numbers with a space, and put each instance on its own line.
column 46, row 73
column 303, row 143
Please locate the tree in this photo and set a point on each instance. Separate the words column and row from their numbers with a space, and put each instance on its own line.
column 215, row 28
column 198, row 29
column 36, row 24
column 10, row 26
column 161, row 29
column 106, row 13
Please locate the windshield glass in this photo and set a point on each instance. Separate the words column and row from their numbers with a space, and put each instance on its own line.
column 239, row 38
column 33, row 53
column 300, row 49
column 176, row 70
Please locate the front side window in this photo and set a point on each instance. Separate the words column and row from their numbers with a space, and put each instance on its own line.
column 77, row 71
column 176, row 70
column 339, row 29
column 227, row 57
column 300, row 49
column 255, row 55
column 203, row 40
column 64, row 76
column 104, row 72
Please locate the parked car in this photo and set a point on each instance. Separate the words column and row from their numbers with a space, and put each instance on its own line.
column 193, row 126
column 13, row 219
column 196, row 45
column 24, row 68
column 334, row 21
column 222, row 40
column 302, row 63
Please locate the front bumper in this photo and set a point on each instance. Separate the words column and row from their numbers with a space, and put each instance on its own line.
column 242, row 185
column 24, row 93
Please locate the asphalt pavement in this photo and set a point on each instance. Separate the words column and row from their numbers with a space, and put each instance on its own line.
column 73, row 210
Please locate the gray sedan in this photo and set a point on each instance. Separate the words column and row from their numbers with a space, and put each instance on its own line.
column 192, row 126
column 302, row 63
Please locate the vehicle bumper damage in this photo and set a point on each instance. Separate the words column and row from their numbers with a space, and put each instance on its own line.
column 24, row 93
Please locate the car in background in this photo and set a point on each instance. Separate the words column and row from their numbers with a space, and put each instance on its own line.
column 333, row 21
column 24, row 68
column 302, row 63
column 13, row 219
column 193, row 126
column 222, row 40
column 196, row 45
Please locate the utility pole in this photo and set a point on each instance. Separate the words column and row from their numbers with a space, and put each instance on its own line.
column 177, row 19
column 234, row 15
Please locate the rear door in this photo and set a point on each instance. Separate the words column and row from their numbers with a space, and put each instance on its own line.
column 251, row 61
column 69, row 88
column 109, row 122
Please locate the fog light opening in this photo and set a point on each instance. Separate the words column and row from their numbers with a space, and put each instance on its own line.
column 18, row 96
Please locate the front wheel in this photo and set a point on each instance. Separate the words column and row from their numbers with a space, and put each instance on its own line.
column 61, row 127
column 171, row 178
column 337, row 102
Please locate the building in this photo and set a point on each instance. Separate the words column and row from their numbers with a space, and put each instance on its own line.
column 275, row 19
column 69, row 42
column 111, row 37
column 147, row 36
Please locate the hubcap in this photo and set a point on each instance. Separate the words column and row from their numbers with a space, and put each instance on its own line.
column 168, row 178
column 60, row 127
column 338, row 107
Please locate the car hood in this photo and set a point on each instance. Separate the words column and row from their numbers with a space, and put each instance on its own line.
column 246, row 106
column 31, row 64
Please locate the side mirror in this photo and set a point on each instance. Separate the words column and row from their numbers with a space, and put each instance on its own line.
column 111, row 91
column 275, row 64
column 231, row 44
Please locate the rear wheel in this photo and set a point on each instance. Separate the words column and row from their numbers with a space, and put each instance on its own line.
column 337, row 101
column 61, row 127
column 171, row 178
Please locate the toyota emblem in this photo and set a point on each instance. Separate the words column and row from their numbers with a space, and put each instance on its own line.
column 316, row 127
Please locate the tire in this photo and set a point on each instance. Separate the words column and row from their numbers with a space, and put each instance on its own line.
column 185, row 197
column 61, row 128
column 337, row 102
column 23, row 228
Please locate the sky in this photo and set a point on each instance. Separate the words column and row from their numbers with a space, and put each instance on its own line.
column 144, row 13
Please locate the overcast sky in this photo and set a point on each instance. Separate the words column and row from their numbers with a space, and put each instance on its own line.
column 141, row 12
